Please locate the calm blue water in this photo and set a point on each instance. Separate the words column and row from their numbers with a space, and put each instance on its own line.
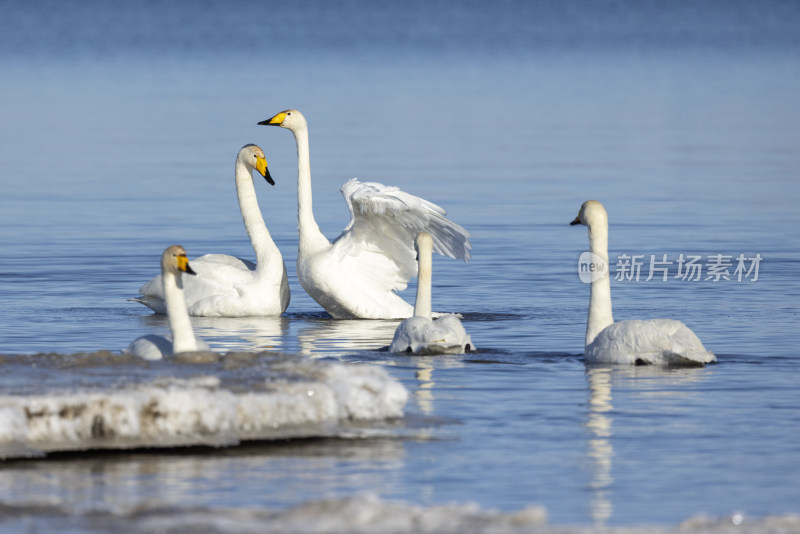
column 119, row 129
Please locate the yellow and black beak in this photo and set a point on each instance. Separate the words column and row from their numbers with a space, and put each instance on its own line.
column 277, row 120
column 261, row 167
column 577, row 220
column 183, row 264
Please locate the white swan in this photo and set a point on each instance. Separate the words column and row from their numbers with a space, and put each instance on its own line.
column 357, row 275
column 421, row 334
column 655, row 341
column 153, row 347
column 226, row 286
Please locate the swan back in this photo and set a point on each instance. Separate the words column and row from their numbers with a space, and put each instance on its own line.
column 654, row 341
column 150, row 347
column 423, row 336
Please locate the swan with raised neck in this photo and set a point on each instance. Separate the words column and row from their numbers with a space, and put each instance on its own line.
column 227, row 286
column 357, row 274
column 652, row 341
column 421, row 334
column 593, row 215
column 152, row 347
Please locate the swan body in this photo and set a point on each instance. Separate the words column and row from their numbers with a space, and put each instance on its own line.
column 357, row 274
column 654, row 341
column 421, row 334
column 226, row 286
column 153, row 347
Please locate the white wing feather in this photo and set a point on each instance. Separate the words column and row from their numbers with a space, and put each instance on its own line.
column 379, row 240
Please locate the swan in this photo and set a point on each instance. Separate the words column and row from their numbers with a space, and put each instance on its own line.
column 153, row 347
column 654, row 341
column 226, row 286
column 356, row 276
column 421, row 334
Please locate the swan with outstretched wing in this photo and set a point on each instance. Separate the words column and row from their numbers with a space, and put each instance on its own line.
column 357, row 275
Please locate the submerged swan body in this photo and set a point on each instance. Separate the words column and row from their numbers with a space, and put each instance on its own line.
column 421, row 334
column 357, row 275
column 153, row 347
column 654, row 341
column 226, row 286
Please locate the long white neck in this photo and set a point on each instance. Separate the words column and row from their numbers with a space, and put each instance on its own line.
column 600, row 293
column 266, row 250
column 422, row 306
column 183, row 339
column 311, row 238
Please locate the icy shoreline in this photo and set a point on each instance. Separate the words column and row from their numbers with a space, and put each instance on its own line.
column 362, row 514
column 288, row 398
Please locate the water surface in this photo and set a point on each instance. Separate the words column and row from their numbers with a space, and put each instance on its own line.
column 683, row 122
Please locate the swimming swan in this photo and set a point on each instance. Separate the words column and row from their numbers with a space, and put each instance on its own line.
column 421, row 334
column 226, row 286
column 153, row 347
column 655, row 341
column 357, row 274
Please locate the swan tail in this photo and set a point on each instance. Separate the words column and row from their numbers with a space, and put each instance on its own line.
column 689, row 358
column 157, row 305
column 675, row 359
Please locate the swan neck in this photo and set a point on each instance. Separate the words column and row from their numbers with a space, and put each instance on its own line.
column 310, row 234
column 422, row 305
column 600, row 315
column 257, row 231
column 180, row 325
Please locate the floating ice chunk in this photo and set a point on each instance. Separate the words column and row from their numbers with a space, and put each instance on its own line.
column 367, row 513
column 361, row 514
column 297, row 398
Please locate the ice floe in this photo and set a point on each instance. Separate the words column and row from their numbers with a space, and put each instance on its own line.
column 211, row 401
column 366, row 513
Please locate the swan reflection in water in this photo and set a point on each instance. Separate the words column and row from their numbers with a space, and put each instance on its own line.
column 653, row 385
column 225, row 334
column 335, row 337
column 600, row 450
column 424, row 392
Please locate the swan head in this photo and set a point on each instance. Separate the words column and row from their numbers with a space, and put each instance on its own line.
column 253, row 157
column 174, row 260
column 592, row 213
column 290, row 119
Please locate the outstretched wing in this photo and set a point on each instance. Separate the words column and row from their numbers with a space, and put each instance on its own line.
column 384, row 223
